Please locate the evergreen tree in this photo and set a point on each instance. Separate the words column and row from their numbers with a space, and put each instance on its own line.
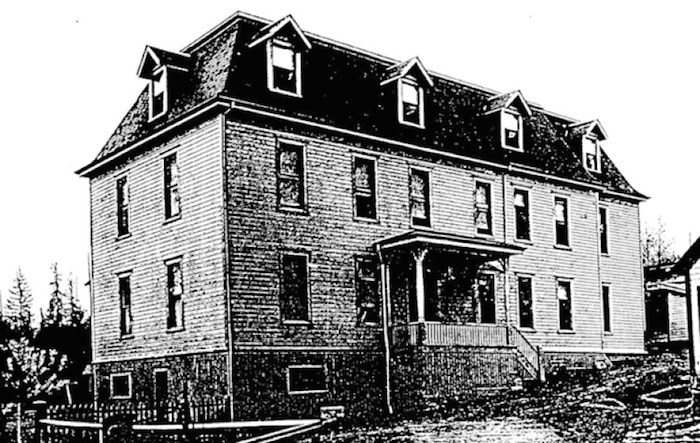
column 74, row 314
column 54, row 314
column 19, row 306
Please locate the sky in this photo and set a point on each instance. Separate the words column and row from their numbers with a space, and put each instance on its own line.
column 68, row 76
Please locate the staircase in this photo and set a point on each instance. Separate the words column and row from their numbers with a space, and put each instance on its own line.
column 528, row 355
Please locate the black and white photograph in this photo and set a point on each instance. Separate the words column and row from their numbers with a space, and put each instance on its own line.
column 301, row 221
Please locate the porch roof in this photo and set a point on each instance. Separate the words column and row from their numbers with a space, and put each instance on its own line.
column 477, row 245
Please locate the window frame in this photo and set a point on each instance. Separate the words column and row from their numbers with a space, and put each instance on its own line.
column 323, row 367
column 401, row 104
column 111, row 386
column 120, row 191
column 377, row 282
column 607, row 314
column 570, row 283
column 307, row 260
column 156, row 371
column 519, row 118
column 270, row 68
column 428, row 196
column 489, row 196
column 375, row 188
column 122, row 333
column 151, row 86
column 532, row 301
column 526, row 192
column 302, row 207
column 597, row 153
column 168, row 263
column 567, row 212
column 167, row 188
column 603, row 230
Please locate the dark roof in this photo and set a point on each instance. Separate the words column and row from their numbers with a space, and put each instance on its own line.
column 448, row 240
column 342, row 87
column 662, row 271
column 688, row 259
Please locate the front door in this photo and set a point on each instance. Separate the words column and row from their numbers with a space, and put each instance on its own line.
column 487, row 299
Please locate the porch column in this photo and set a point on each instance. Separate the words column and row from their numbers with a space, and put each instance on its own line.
column 419, row 256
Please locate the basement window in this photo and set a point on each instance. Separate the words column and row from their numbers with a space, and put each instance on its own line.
column 120, row 386
column 306, row 379
column 283, row 68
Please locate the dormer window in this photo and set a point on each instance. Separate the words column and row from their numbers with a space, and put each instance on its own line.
column 411, row 109
column 591, row 154
column 511, row 130
column 158, row 103
column 283, row 68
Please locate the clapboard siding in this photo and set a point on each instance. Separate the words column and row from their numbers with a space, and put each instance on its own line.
column 259, row 233
column 677, row 317
column 197, row 237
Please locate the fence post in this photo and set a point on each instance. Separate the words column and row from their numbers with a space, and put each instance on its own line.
column 40, row 414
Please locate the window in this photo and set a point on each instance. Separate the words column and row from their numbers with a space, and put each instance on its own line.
column 363, row 188
column 125, row 319
column 603, row 228
column 175, row 294
column 290, row 176
column 122, row 206
column 283, row 68
column 605, row 291
column 482, row 213
column 419, row 195
column 487, row 298
column 158, row 103
column 561, row 221
column 160, row 385
column 120, row 386
column 306, row 379
column 525, row 302
column 294, row 288
column 411, row 107
column 564, row 298
column 511, row 130
column 367, row 290
column 521, row 202
column 591, row 154
column 171, row 174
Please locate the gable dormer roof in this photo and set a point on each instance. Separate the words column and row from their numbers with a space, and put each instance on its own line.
column 413, row 67
column 592, row 127
column 286, row 26
column 154, row 58
column 513, row 99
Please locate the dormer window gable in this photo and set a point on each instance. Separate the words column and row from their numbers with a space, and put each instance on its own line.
column 285, row 43
column 412, row 80
column 158, row 67
column 591, row 135
column 510, row 108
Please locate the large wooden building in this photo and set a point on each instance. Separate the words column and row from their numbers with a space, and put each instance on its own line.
column 291, row 222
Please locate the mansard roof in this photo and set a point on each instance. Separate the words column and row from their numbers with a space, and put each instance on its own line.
column 154, row 58
column 342, row 89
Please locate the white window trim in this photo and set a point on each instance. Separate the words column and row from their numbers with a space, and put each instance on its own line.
column 568, row 221
column 164, row 79
column 313, row 391
column 175, row 260
column 411, row 168
column 488, row 183
column 518, row 276
column 607, row 231
column 376, row 188
column 304, row 195
column 610, row 309
column 596, row 142
column 571, row 303
column 503, row 130
column 377, row 279
column 270, row 68
column 307, row 257
column 421, row 103
column 529, row 216
column 111, row 386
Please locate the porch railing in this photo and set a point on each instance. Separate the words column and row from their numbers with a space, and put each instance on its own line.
column 437, row 334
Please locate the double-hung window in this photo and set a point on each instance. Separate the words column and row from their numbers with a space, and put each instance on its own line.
column 511, row 130
column 564, row 300
column 171, row 175
column 122, row 206
column 294, row 289
column 605, row 293
column 125, row 318
column 603, row 229
column 525, row 302
column 290, row 175
column 367, row 290
column 158, row 89
column 521, row 203
column 591, row 154
column 175, row 294
column 411, row 103
column 561, row 221
column 419, row 197
column 283, row 68
column 482, row 208
column 364, row 187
